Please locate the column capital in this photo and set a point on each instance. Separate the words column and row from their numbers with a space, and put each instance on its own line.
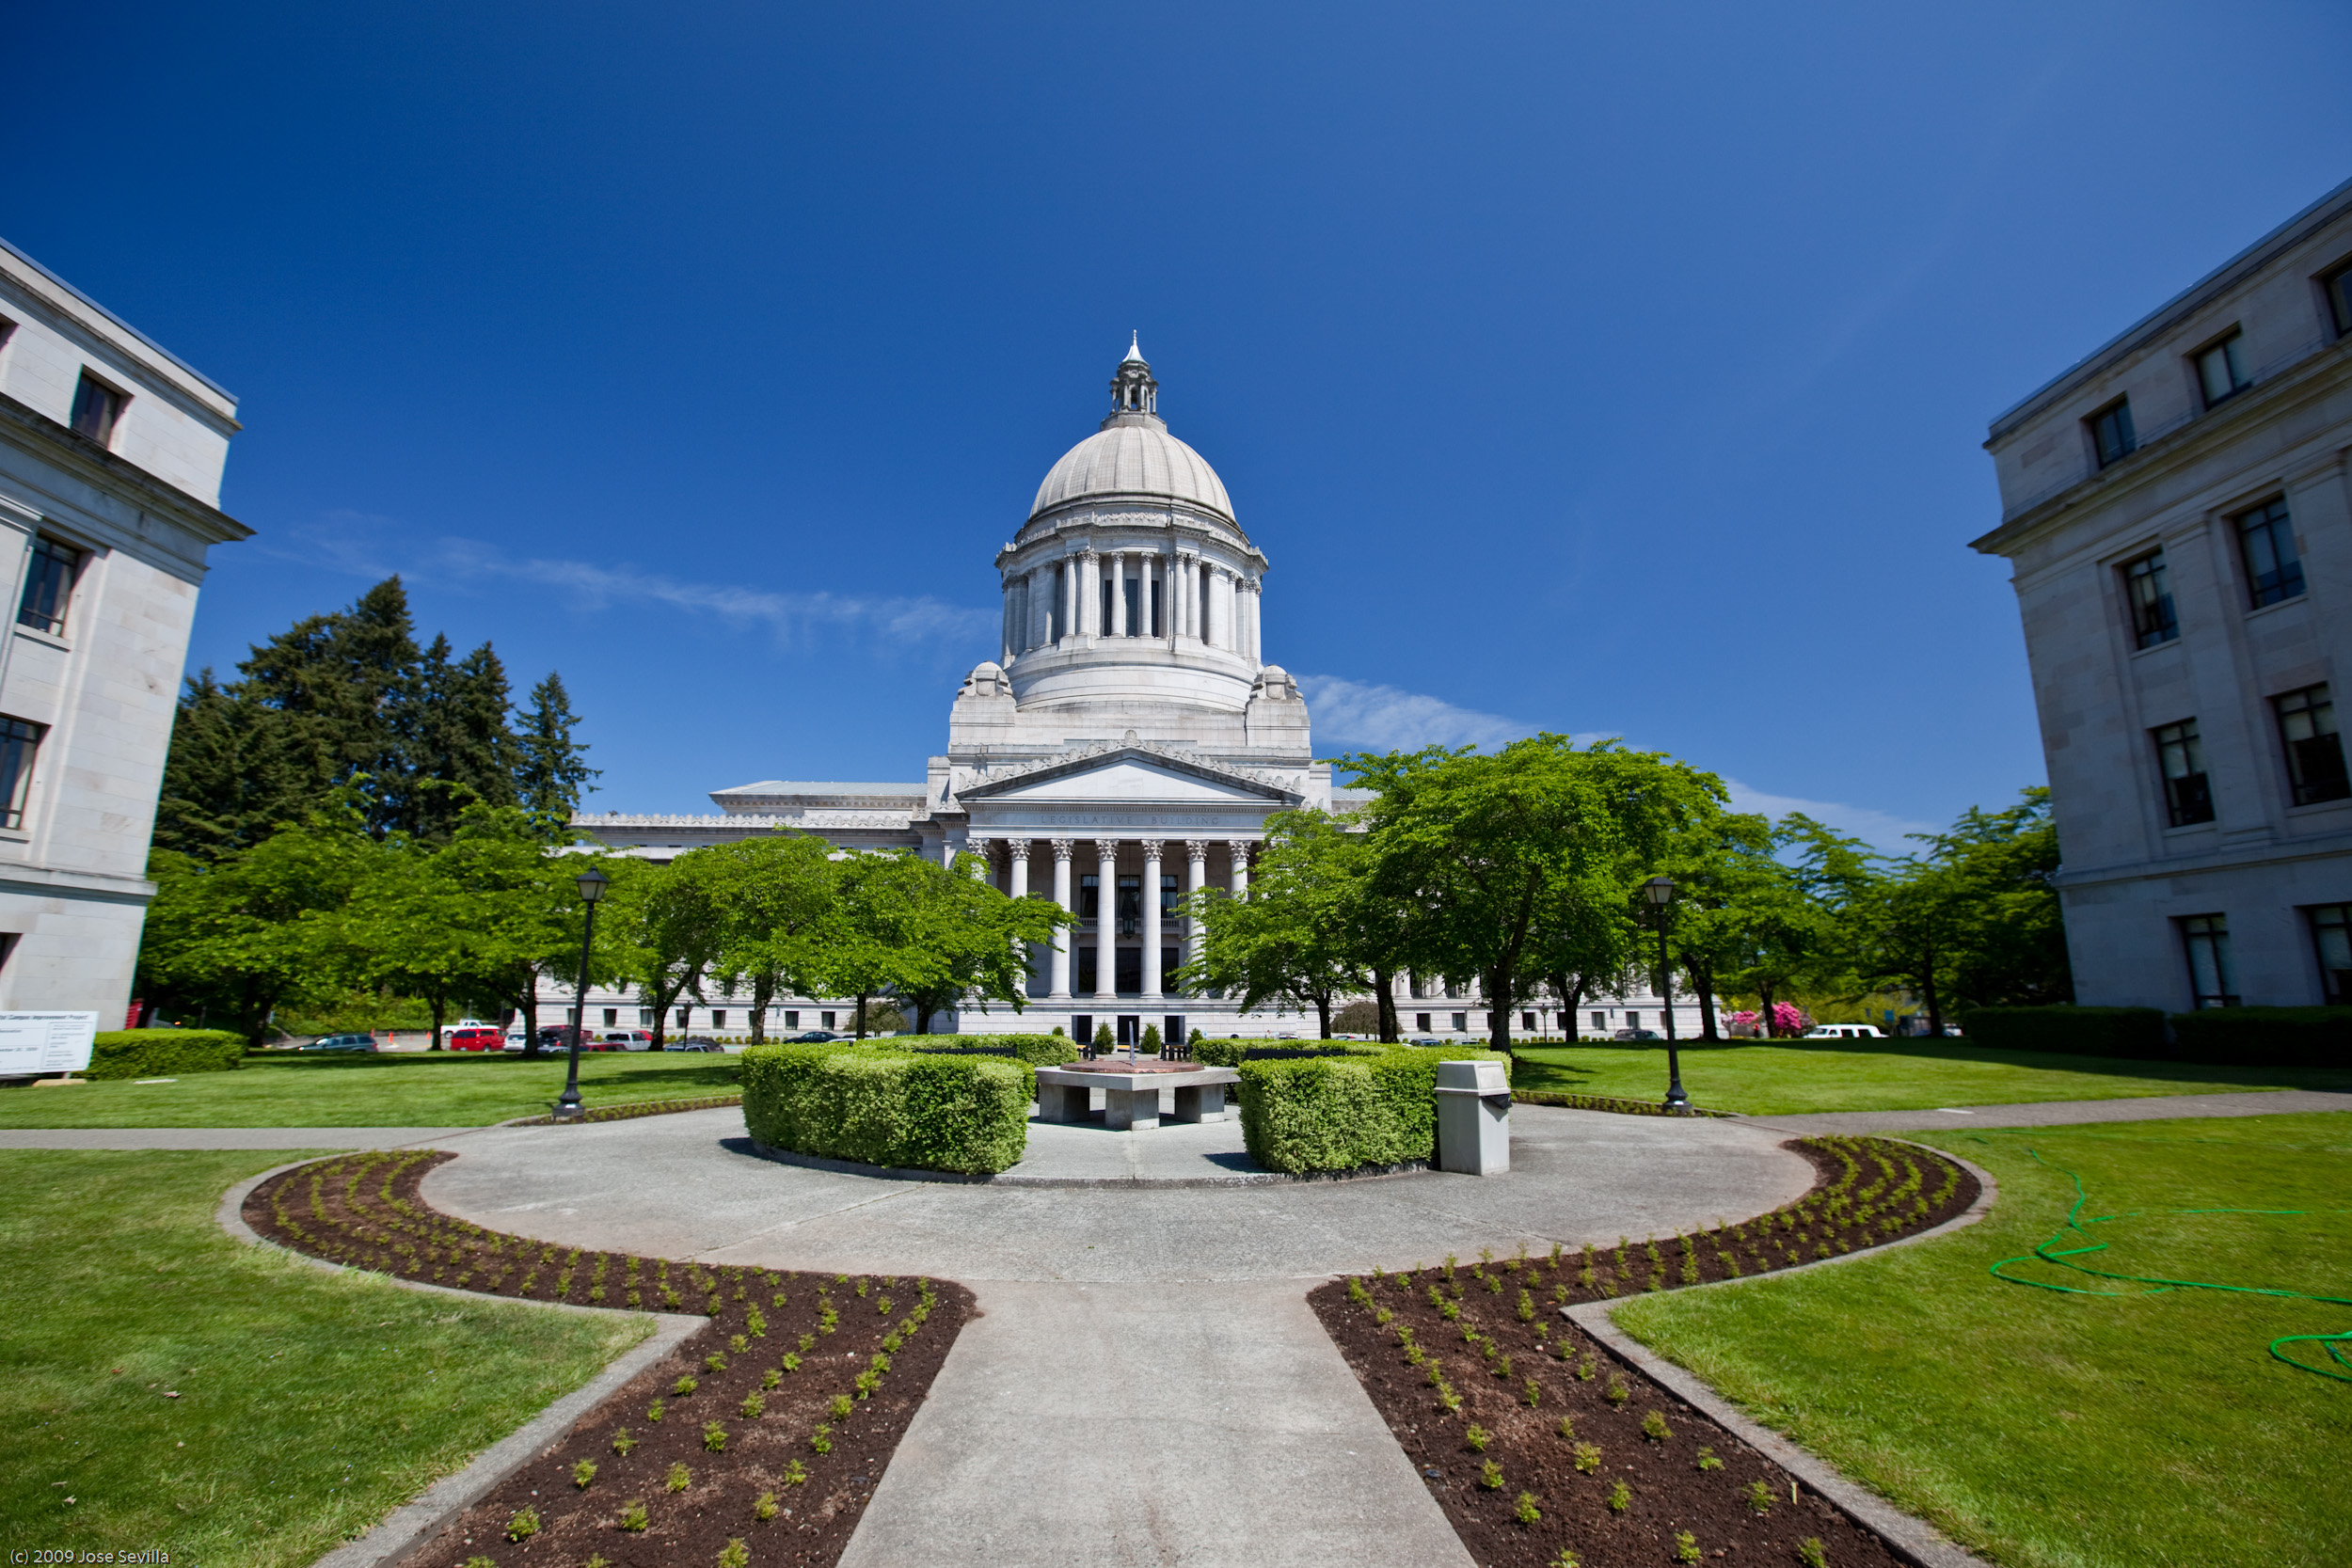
column 1062, row 848
column 1106, row 847
column 1197, row 848
column 1016, row 848
column 1154, row 849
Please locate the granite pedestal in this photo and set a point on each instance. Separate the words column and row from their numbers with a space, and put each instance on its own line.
column 1131, row 1097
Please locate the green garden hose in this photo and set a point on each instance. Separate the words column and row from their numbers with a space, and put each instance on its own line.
column 2333, row 1346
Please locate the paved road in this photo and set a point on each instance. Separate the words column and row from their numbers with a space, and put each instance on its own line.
column 2054, row 1112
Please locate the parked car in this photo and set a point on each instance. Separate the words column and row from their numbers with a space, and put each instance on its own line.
column 695, row 1042
column 814, row 1037
column 340, row 1042
column 626, row 1039
column 1637, row 1035
column 1844, row 1032
column 478, row 1037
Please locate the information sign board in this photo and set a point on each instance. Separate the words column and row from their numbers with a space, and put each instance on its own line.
column 45, row 1043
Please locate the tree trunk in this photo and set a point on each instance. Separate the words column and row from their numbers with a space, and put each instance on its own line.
column 526, row 1009
column 1323, row 1012
column 922, row 1015
column 1384, row 987
column 440, row 1008
column 861, row 1010
column 1764, row 1016
column 1498, row 1008
column 1702, row 984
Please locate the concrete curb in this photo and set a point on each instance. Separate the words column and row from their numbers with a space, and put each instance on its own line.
column 1009, row 1178
column 1911, row 1538
column 415, row 1523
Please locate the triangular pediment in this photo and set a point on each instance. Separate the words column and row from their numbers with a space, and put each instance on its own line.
column 1134, row 772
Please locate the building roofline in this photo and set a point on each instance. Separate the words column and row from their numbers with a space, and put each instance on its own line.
column 2292, row 232
column 124, row 326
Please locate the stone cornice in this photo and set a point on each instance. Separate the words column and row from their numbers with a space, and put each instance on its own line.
column 36, row 433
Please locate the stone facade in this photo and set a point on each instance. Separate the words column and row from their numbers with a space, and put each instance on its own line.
column 2176, row 509
column 1122, row 752
column 111, row 452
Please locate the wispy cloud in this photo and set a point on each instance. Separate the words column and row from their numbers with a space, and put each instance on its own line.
column 1388, row 718
column 360, row 545
column 1881, row 830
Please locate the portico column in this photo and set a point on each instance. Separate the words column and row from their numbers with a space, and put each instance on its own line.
column 1196, row 850
column 1241, row 870
column 1118, row 592
column 1057, row 971
column 1017, row 886
column 1152, row 920
column 1106, row 919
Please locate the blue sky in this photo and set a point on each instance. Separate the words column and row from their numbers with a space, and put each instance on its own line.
column 1603, row 370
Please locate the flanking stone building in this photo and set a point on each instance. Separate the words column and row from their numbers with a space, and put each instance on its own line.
column 1122, row 750
column 2176, row 507
column 111, row 451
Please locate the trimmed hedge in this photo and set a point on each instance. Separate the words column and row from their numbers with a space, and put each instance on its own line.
column 165, row 1053
column 2264, row 1036
column 1036, row 1050
column 1228, row 1053
column 2135, row 1031
column 889, row 1107
column 1341, row 1113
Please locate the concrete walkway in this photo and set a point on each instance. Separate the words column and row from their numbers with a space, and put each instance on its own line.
column 2056, row 1113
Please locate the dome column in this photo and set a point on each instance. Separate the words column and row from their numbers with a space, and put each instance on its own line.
column 1057, row 970
column 1071, row 590
column 1040, row 606
column 1089, row 618
column 1118, row 560
column 1255, row 587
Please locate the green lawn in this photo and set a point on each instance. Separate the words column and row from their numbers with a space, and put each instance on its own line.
column 311, row 1404
column 2075, row 1431
column 424, row 1089
column 1789, row 1078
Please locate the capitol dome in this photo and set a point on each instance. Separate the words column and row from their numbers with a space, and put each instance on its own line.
column 1133, row 460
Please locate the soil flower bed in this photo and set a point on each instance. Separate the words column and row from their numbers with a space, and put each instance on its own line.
column 759, row 1439
column 1546, row 1452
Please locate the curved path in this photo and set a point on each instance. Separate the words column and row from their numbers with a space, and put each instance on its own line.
column 690, row 1185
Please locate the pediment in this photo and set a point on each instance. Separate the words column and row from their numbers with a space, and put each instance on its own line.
column 1130, row 772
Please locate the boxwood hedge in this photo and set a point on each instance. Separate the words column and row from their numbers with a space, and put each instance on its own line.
column 1228, row 1053
column 883, row 1107
column 1344, row 1113
column 2136, row 1032
column 1036, row 1050
column 165, row 1053
column 2266, row 1036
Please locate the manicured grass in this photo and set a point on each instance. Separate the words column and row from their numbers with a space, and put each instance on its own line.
column 2075, row 1431
column 311, row 1404
column 1787, row 1078
column 424, row 1090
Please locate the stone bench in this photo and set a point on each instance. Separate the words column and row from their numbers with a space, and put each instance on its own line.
column 1131, row 1099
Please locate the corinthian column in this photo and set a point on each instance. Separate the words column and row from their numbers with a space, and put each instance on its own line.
column 1041, row 606
column 1197, row 851
column 1059, row 968
column 1118, row 560
column 1106, row 919
column 1017, row 886
column 1241, row 870
column 1151, row 920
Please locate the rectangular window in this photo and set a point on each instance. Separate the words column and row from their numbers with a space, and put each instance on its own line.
column 645, row 1018
column 2181, row 757
column 49, row 585
column 1601, row 1018
column 1420, row 1023
column 1413, row 988
column 2307, row 728
column 827, row 1024
column 2149, row 592
column 1086, row 972
column 18, row 742
column 1461, row 1024
column 2212, row 978
column 1089, row 897
column 1131, row 588
column 2273, row 570
column 1632, row 1018
column 791, row 1019
column 96, row 408
column 1170, row 957
column 2339, row 286
column 1170, row 899
column 2220, row 375
column 2111, row 434
column 2332, row 939
column 1103, row 627
column 1526, row 1021
column 1127, row 972
column 1453, row 990
column 683, row 1014
column 1130, row 905
column 718, row 1017
column 611, row 1017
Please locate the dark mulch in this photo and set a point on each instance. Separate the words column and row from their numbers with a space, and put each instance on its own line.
column 1506, row 1341
column 799, row 1342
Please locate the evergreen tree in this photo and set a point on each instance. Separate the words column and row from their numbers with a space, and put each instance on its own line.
column 550, row 770
column 338, row 679
column 232, row 775
column 449, row 723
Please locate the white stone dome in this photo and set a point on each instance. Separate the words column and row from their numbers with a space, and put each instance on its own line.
column 1134, row 459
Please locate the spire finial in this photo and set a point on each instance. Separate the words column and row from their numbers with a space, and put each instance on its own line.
column 1134, row 349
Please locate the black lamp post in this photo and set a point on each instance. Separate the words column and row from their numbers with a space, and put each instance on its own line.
column 592, row 885
column 1659, row 891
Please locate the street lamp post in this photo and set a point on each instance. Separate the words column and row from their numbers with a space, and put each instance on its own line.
column 592, row 885
column 1660, row 893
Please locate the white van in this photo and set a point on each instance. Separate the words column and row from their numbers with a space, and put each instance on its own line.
column 1844, row 1032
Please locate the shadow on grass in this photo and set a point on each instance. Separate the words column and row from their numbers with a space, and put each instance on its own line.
column 664, row 1069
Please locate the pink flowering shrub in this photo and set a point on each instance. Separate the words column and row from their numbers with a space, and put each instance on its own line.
column 1789, row 1019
